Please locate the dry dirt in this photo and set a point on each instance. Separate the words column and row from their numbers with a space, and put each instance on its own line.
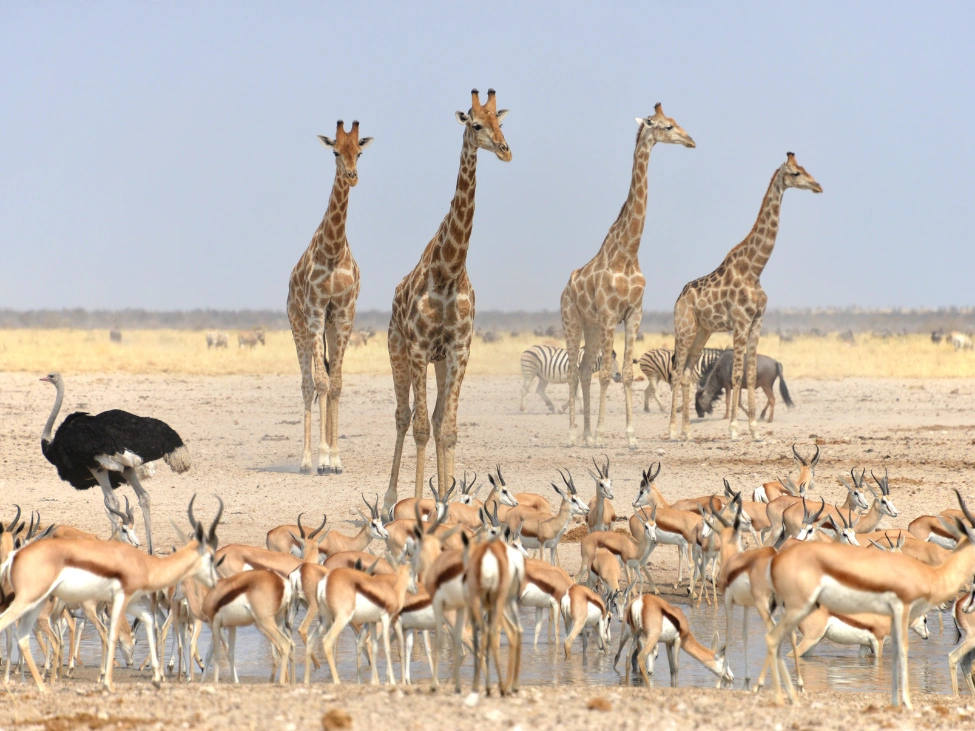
column 245, row 435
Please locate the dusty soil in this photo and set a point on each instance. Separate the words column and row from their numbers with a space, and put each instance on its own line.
column 245, row 435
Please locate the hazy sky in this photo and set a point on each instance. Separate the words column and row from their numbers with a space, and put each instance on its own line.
column 163, row 155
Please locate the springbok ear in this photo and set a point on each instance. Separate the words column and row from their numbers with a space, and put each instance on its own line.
column 462, row 118
column 364, row 143
column 297, row 539
column 222, row 559
column 502, row 114
column 326, row 141
column 715, row 641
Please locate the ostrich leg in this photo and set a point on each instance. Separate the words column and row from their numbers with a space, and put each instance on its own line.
column 133, row 479
column 110, row 498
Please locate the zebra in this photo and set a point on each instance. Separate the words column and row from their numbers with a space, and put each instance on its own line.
column 551, row 365
column 658, row 365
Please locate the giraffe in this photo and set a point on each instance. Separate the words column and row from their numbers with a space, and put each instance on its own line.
column 433, row 311
column 731, row 299
column 321, row 303
column 609, row 289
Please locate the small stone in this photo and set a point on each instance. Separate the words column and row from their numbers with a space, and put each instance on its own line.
column 494, row 715
column 661, row 452
column 336, row 718
column 102, row 716
column 471, row 700
column 208, row 689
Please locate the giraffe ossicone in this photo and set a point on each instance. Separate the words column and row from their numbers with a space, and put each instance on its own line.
column 609, row 289
column 322, row 293
column 433, row 312
column 731, row 299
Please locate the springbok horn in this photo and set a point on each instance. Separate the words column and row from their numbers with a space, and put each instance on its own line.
column 189, row 512
column 606, row 467
column 822, row 507
column 964, row 508
column 12, row 524
column 128, row 510
column 212, row 533
column 319, row 528
column 500, row 478
column 301, row 531
column 803, row 462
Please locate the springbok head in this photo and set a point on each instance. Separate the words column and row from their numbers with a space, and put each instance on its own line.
column 645, row 496
column 601, row 476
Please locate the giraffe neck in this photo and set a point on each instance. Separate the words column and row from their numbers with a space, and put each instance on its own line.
column 454, row 236
column 624, row 237
column 330, row 237
column 757, row 246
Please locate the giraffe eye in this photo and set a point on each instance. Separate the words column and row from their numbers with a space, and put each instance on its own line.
column 476, row 126
column 669, row 127
column 336, row 154
column 795, row 174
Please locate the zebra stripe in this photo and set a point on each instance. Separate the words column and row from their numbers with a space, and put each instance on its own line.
column 551, row 365
column 658, row 365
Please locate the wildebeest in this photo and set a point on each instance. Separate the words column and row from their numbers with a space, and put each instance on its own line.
column 250, row 338
column 718, row 379
column 936, row 336
column 115, row 335
column 216, row 340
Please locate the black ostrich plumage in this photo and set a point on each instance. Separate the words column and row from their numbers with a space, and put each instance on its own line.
column 83, row 436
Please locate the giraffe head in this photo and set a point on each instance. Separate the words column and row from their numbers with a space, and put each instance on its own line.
column 661, row 128
column 347, row 146
column 485, row 123
column 794, row 175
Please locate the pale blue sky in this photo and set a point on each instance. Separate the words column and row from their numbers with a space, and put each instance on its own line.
column 163, row 155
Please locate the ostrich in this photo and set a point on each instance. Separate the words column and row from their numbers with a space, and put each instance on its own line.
column 109, row 449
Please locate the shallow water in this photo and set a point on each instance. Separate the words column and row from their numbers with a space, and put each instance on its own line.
column 828, row 667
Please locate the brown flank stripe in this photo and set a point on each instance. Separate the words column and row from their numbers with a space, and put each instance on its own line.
column 229, row 597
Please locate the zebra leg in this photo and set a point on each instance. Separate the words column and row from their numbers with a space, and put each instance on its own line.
column 529, row 377
column 542, row 385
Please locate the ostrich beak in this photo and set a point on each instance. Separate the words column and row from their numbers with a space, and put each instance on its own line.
column 46, row 378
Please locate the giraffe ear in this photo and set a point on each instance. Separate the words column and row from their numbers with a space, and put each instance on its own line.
column 640, row 120
column 502, row 114
column 364, row 143
column 462, row 118
column 326, row 141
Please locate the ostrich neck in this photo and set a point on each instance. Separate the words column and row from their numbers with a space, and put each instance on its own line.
column 49, row 426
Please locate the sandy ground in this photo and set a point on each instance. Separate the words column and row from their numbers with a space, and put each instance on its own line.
column 245, row 435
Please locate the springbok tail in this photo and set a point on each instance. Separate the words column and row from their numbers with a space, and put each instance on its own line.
column 179, row 459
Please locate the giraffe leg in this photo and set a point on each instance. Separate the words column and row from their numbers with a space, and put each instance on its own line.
column 421, row 419
column 631, row 329
column 338, row 339
column 398, row 360
column 573, row 335
column 307, row 394
column 605, row 374
column 685, row 328
column 585, row 379
column 321, row 378
column 740, row 344
column 440, row 369
column 754, row 333
column 454, row 379
column 693, row 353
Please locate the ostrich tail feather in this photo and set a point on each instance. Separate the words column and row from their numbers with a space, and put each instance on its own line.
column 179, row 459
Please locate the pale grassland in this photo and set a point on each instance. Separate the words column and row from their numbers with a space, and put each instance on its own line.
column 185, row 352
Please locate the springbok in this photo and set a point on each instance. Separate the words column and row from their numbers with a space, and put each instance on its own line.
column 631, row 552
column 849, row 580
column 649, row 621
column 543, row 530
column 601, row 514
column 114, row 572
column 807, row 476
column 964, row 654
column 581, row 609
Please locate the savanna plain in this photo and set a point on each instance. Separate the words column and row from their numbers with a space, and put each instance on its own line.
column 902, row 404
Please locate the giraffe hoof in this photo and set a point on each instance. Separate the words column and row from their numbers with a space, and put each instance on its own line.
column 323, row 470
column 305, row 469
column 336, row 470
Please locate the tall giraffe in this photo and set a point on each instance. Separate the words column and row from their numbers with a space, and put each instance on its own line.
column 609, row 289
column 321, row 303
column 433, row 311
column 731, row 299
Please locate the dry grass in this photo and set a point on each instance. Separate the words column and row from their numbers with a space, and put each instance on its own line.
column 185, row 352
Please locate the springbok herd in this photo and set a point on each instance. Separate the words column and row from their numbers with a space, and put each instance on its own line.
column 462, row 565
